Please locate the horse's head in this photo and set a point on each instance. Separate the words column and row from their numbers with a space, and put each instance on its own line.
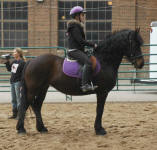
column 134, row 53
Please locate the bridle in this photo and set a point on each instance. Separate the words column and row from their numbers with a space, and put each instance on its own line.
column 133, row 57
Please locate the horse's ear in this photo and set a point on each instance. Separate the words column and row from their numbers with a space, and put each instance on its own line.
column 137, row 30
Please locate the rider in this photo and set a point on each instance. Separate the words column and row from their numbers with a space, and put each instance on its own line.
column 77, row 42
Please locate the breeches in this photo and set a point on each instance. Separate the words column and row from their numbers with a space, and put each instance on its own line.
column 81, row 57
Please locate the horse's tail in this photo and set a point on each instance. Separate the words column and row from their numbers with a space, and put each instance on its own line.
column 23, row 86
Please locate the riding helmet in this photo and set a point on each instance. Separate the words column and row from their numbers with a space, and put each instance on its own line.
column 76, row 10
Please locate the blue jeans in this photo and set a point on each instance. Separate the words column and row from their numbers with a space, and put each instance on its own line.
column 15, row 94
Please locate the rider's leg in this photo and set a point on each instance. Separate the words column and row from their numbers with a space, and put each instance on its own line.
column 86, row 78
column 87, row 69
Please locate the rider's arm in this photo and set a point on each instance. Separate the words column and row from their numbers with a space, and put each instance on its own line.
column 77, row 36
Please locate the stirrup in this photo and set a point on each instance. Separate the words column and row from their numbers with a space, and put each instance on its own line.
column 88, row 87
column 93, row 86
column 12, row 117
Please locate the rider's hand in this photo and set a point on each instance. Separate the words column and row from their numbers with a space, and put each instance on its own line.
column 95, row 46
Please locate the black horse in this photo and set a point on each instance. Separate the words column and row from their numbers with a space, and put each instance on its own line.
column 46, row 70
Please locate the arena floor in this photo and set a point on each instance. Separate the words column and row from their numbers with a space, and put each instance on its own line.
column 130, row 126
column 129, row 118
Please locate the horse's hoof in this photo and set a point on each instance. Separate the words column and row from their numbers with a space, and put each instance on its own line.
column 101, row 131
column 21, row 131
column 43, row 130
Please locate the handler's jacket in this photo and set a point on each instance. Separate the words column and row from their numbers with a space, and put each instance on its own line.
column 76, row 36
column 15, row 67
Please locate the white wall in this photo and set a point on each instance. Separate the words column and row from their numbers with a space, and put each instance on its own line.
column 153, row 50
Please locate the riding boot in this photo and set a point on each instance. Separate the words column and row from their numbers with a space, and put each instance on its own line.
column 14, row 115
column 86, row 77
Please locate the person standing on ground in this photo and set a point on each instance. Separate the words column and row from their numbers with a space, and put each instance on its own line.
column 15, row 67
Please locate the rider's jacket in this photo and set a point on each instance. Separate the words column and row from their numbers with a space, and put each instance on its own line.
column 76, row 36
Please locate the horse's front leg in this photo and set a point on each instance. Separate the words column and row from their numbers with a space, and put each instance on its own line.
column 101, row 99
column 36, row 106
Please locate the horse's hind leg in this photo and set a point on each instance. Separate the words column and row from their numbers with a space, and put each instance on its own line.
column 36, row 106
column 21, row 115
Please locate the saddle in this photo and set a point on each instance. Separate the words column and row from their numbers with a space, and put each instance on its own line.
column 73, row 69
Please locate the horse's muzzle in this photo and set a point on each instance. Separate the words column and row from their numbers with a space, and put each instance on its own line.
column 139, row 62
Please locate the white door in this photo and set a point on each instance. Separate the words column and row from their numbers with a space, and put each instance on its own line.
column 153, row 50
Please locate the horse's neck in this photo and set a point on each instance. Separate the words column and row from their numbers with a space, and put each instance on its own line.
column 114, row 48
column 117, row 53
column 113, row 61
column 118, row 61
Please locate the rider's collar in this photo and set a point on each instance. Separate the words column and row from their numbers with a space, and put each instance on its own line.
column 74, row 21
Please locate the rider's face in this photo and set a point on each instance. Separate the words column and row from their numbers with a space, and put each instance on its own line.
column 82, row 17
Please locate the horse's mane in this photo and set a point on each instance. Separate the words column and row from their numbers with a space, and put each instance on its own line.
column 114, row 44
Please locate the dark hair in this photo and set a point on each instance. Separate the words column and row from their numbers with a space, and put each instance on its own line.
column 76, row 14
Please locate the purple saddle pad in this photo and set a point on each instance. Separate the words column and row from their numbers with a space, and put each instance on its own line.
column 73, row 68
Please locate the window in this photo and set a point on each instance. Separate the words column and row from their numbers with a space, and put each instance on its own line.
column 98, row 19
column 63, row 17
column 14, row 26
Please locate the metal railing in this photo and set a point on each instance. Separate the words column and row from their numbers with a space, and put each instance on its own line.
column 123, row 83
column 68, row 97
column 136, row 82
